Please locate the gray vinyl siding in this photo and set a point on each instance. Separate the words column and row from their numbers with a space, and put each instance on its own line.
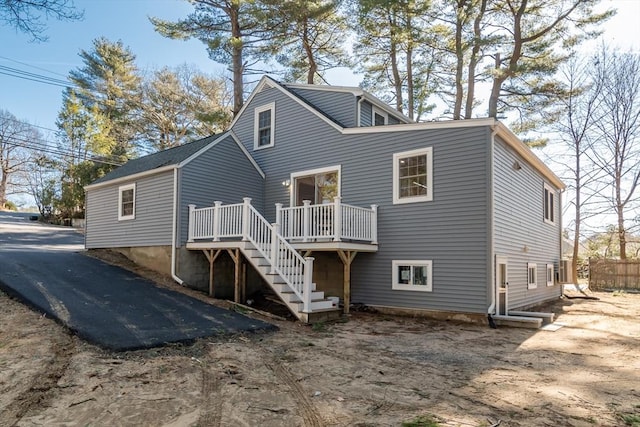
column 222, row 173
column 520, row 231
column 366, row 113
column 341, row 106
column 153, row 214
column 452, row 230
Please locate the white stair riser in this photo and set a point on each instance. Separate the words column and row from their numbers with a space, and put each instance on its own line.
column 291, row 297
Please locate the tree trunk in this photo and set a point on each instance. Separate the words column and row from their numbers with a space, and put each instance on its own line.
column 457, row 107
column 306, row 43
column 236, row 59
column 576, row 232
column 3, row 186
column 473, row 60
column 410, row 101
column 397, row 81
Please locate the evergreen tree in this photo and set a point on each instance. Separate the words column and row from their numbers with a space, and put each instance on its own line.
column 232, row 32
column 109, row 82
column 306, row 37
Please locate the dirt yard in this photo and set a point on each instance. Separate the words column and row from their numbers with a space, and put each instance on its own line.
column 371, row 370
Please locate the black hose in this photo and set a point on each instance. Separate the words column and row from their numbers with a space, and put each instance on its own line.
column 492, row 323
column 581, row 297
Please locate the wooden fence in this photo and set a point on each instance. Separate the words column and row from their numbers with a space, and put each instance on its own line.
column 609, row 274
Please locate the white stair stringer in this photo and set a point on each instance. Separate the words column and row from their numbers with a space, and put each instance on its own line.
column 281, row 288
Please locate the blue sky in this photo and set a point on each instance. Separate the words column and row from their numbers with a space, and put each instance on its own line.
column 127, row 20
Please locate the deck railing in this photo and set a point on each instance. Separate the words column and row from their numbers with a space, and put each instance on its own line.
column 244, row 221
column 330, row 221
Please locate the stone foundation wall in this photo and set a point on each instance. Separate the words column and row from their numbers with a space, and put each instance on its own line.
column 476, row 318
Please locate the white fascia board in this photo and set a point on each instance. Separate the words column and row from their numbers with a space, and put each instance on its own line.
column 203, row 150
column 216, row 142
column 378, row 103
column 267, row 81
column 356, row 91
column 247, row 154
column 264, row 82
column 130, row 177
column 406, row 127
column 523, row 150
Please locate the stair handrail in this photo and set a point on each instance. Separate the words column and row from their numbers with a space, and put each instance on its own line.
column 293, row 268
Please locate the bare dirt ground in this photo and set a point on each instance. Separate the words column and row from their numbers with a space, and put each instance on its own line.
column 370, row 370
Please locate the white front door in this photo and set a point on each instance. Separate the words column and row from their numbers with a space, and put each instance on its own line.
column 502, row 285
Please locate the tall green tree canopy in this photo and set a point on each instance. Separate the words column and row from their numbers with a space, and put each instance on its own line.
column 305, row 37
column 109, row 81
column 230, row 29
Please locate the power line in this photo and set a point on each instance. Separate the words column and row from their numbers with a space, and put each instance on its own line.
column 32, row 66
column 39, row 78
column 43, row 147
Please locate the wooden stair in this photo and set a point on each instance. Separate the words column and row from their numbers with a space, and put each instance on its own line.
column 319, row 304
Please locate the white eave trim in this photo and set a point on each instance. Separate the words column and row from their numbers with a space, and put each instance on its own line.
column 406, row 127
column 523, row 150
column 131, row 177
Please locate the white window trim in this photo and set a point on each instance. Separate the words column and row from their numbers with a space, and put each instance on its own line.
column 403, row 287
column 534, row 284
column 294, row 175
column 256, row 134
column 552, row 194
column 550, row 268
column 375, row 110
column 396, row 179
column 122, row 189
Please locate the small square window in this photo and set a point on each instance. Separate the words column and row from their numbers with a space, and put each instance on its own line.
column 264, row 126
column 413, row 176
column 549, row 204
column 412, row 276
column 379, row 117
column 550, row 280
column 126, row 202
column 532, row 273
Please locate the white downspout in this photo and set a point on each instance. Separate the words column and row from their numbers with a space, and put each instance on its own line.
column 492, row 307
column 174, row 226
column 359, row 110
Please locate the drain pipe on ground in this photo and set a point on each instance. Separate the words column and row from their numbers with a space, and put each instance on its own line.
column 174, row 224
column 492, row 308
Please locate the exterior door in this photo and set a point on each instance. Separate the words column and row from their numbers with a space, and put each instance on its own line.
column 319, row 188
column 502, row 285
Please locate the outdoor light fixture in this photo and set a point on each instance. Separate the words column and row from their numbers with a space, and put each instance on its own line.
column 286, row 183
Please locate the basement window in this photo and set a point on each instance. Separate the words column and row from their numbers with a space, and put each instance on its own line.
column 532, row 273
column 412, row 276
column 549, row 274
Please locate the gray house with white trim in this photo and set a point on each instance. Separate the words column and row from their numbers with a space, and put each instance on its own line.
column 457, row 219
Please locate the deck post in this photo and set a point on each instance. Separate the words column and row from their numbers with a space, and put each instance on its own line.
column 305, row 220
column 374, row 224
column 273, row 259
column 245, row 218
column 216, row 221
column 347, row 258
column 337, row 219
column 279, row 215
column 308, row 279
column 191, row 219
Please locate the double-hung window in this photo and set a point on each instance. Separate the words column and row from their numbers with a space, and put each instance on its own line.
column 413, row 176
column 549, row 204
column 126, row 202
column 412, row 275
column 264, row 129
column 532, row 273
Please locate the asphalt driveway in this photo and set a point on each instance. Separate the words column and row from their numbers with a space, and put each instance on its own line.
column 105, row 305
